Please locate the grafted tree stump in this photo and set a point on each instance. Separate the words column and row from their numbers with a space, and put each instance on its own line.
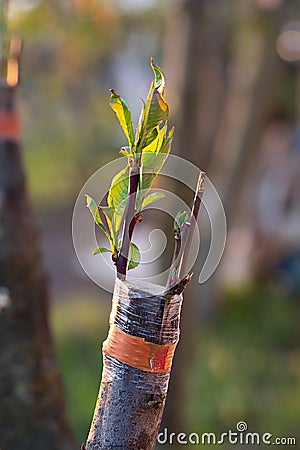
column 138, row 352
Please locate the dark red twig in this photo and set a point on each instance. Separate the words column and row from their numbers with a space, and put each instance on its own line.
column 129, row 215
column 137, row 218
column 190, row 232
column 103, row 217
column 183, row 238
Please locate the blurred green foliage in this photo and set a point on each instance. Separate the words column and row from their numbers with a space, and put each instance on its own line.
column 68, row 63
column 80, row 325
column 247, row 366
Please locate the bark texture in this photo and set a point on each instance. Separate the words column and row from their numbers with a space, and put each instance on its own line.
column 32, row 413
column 131, row 401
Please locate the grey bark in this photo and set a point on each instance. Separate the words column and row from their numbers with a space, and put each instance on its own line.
column 131, row 401
column 32, row 412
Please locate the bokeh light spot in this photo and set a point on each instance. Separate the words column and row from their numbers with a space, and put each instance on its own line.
column 288, row 45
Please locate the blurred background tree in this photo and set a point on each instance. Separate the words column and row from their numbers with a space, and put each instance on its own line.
column 32, row 413
column 233, row 84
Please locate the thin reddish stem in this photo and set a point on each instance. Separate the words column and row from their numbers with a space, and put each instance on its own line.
column 129, row 215
column 183, row 239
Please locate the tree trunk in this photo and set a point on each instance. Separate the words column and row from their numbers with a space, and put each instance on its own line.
column 32, row 413
column 138, row 352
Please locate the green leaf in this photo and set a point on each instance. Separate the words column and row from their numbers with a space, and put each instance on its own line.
column 101, row 250
column 118, row 194
column 123, row 114
column 152, row 198
column 154, row 111
column 151, row 137
column 108, row 211
column 181, row 218
column 134, row 256
column 118, row 189
column 167, row 141
column 154, row 157
column 154, row 144
column 150, row 157
column 109, row 214
column 93, row 207
column 159, row 77
column 154, row 161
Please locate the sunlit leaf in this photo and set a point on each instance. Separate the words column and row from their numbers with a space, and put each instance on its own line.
column 98, row 250
column 139, row 132
column 159, row 77
column 167, row 141
column 123, row 114
column 151, row 137
column 155, row 109
column 153, row 158
column 119, row 188
column 109, row 214
column 108, row 211
column 152, row 198
column 118, row 194
column 93, row 207
column 158, row 137
column 152, row 164
column 150, row 156
column 134, row 256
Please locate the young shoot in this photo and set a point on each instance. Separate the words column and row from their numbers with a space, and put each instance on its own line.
column 146, row 152
column 129, row 192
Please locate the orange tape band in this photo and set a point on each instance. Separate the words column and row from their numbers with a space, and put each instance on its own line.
column 9, row 125
column 136, row 352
